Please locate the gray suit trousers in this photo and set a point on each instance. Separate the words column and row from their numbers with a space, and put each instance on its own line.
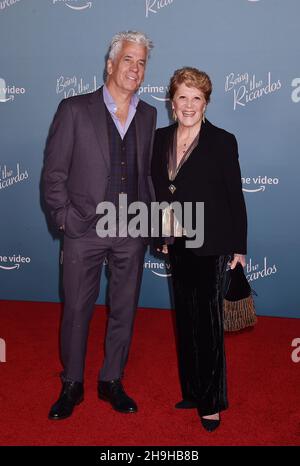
column 82, row 265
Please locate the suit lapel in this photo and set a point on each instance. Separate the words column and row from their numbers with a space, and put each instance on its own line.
column 140, row 131
column 203, row 146
column 201, row 149
column 96, row 108
column 166, row 145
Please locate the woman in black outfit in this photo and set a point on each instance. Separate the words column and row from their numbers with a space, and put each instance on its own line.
column 194, row 161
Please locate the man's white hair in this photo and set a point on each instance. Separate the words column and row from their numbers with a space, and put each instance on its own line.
column 130, row 36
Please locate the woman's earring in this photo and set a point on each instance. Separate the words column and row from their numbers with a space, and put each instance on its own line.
column 203, row 115
column 174, row 114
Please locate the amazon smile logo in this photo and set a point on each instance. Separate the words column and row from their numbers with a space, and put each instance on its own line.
column 14, row 262
column 258, row 183
column 160, row 269
column 159, row 93
column 77, row 5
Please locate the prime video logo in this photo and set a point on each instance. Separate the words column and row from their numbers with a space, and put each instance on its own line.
column 258, row 183
column 13, row 262
column 159, row 268
column 73, row 4
column 162, row 92
column 8, row 93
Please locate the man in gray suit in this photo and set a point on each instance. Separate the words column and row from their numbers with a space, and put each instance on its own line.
column 99, row 146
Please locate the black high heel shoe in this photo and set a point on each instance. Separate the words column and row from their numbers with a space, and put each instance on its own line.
column 210, row 424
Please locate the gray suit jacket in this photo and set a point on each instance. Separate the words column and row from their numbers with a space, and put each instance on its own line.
column 77, row 160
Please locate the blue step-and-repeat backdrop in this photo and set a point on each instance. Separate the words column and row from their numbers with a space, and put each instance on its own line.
column 52, row 49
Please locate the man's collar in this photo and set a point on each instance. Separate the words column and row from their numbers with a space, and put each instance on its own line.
column 110, row 103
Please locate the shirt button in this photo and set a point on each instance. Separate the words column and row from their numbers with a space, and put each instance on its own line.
column 123, row 178
column 122, row 163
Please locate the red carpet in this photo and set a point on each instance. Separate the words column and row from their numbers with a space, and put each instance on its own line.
column 263, row 384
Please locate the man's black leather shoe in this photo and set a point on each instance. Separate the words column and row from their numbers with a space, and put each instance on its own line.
column 186, row 404
column 113, row 392
column 70, row 396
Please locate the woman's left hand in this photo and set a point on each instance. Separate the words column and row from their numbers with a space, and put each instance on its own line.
column 238, row 258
